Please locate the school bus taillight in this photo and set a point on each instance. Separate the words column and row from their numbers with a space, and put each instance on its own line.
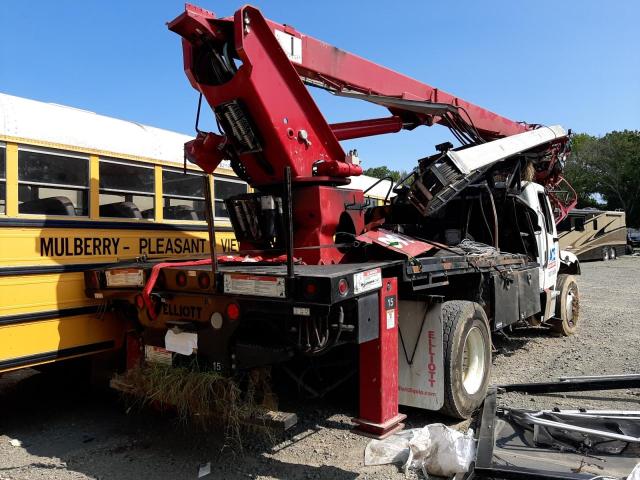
column 204, row 281
column 233, row 311
column 181, row 279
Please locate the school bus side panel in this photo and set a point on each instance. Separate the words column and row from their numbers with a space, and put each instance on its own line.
column 91, row 242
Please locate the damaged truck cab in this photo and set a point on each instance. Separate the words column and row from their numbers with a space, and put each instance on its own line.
column 558, row 287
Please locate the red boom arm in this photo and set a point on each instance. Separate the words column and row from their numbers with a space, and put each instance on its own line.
column 269, row 118
column 340, row 70
column 253, row 71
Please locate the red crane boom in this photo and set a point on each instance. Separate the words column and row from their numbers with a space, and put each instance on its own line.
column 252, row 72
column 271, row 96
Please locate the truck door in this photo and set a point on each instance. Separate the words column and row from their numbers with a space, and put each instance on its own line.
column 547, row 243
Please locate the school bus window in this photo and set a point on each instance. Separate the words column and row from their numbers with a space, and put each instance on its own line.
column 3, row 180
column 223, row 189
column 52, row 183
column 182, row 196
column 126, row 190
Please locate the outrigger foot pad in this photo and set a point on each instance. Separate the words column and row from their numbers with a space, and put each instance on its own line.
column 379, row 430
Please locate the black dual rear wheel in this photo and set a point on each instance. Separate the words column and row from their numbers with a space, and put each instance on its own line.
column 467, row 357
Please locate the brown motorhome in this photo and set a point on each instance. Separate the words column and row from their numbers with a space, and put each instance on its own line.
column 593, row 234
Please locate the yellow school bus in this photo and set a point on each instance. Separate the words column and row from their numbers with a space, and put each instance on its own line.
column 79, row 189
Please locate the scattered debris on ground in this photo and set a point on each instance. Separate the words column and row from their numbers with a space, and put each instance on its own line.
column 433, row 450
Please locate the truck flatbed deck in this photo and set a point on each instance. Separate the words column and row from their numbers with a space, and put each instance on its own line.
column 320, row 271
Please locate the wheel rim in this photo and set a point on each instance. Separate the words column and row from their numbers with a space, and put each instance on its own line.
column 473, row 366
column 605, row 255
column 571, row 306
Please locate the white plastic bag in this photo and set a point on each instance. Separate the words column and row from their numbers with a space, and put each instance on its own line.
column 436, row 449
column 420, row 447
column 393, row 449
column 452, row 451
column 183, row 343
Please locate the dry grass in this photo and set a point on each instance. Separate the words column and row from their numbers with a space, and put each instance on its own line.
column 202, row 398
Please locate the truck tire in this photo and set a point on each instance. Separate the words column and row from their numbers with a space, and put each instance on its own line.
column 467, row 357
column 605, row 254
column 567, row 306
column 612, row 253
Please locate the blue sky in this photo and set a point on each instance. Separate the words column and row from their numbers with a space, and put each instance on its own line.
column 572, row 62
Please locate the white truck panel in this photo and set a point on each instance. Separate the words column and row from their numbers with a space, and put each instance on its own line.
column 547, row 240
column 473, row 158
column 421, row 379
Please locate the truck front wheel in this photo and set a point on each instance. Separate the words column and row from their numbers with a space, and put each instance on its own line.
column 567, row 306
column 467, row 357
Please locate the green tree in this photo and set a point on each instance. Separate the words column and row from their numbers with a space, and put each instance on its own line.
column 381, row 172
column 608, row 167
column 579, row 172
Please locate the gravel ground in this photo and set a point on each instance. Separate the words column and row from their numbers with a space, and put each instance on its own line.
column 69, row 433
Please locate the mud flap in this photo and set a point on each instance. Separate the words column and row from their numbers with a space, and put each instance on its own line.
column 420, row 363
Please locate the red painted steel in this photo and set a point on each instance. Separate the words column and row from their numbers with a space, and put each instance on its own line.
column 291, row 128
column 273, row 123
column 366, row 128
column 562, row 196
column 397, row 242
column 334, row 67
column 319, row 216
column 153, row 278
column 319, row 212
column 333, row 169
column 269, row 85
column 378, row 414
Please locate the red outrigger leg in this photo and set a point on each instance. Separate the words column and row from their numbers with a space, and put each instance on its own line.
column 378, row 415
